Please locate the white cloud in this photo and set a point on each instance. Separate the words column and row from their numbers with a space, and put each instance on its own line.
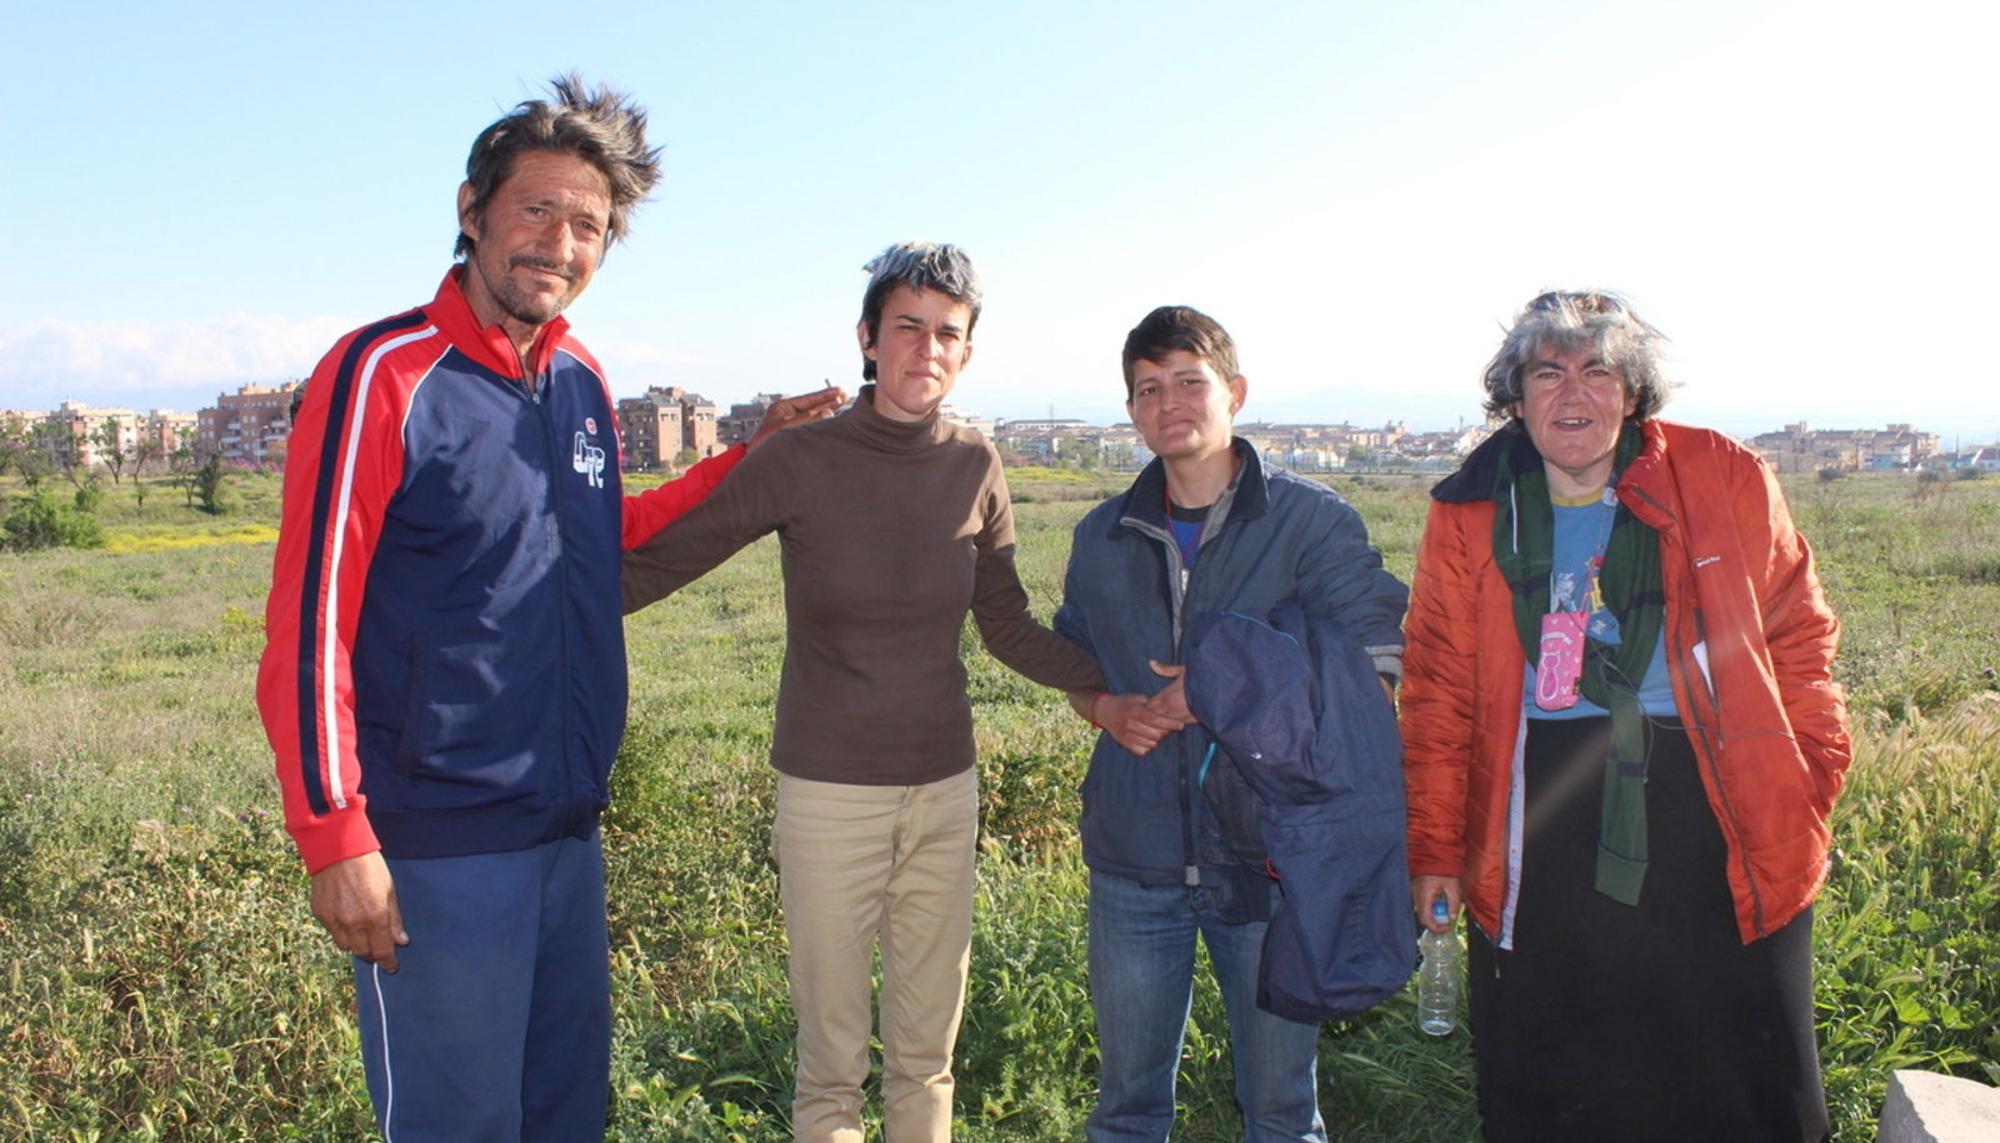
column 47, row 361
column 634, row 362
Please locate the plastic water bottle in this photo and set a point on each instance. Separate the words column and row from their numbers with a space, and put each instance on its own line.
column 1437, row 978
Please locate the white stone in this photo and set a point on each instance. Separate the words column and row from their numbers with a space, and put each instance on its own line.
column 1924, row 1107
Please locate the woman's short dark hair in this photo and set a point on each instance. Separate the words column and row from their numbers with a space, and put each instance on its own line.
column 920, row 266
column 1562, row 321
column 1179, row 327
column 602, row 127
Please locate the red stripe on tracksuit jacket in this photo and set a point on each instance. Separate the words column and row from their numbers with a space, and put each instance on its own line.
column 444, row 671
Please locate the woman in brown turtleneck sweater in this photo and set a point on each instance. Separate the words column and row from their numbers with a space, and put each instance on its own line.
column 893, row 525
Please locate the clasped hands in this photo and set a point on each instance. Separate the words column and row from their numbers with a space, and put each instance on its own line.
column 1135, row 721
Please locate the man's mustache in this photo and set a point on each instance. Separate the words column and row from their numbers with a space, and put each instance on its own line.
column 537, row 262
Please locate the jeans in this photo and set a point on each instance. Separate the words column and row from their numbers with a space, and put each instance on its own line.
column 1142, row 985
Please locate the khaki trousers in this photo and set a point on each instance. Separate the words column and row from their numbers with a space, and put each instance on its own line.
column 859, row 865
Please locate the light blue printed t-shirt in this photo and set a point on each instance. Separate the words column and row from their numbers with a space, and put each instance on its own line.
column 1581, row 534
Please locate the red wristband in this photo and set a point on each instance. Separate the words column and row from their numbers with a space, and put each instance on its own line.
column 1092, row 716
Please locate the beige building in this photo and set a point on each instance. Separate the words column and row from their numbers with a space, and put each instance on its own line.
column 740, row 423
column 1043, row 441
column 71, row 432
column 248, row 425
column 162, row 429
column 1798, row 447
column 656, row 427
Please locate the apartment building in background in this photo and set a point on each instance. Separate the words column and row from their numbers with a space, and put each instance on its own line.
column 249, row 426
column 1800, row 448
column 662, row 423
column 72, row 432
column 163, row 430
column 738, row 424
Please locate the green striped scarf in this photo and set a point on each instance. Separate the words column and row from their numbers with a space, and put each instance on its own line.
column 1523, row 539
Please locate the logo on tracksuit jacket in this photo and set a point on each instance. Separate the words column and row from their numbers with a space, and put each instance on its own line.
column 587, row 458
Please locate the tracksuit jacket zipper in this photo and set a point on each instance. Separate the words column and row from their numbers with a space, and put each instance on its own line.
column 555, row 453
column 535, row 395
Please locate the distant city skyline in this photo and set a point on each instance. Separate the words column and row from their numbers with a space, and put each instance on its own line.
column 669, row 426
column 1295, row 413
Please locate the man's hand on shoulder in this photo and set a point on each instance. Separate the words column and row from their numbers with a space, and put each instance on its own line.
column 815, row 406
column 356, row 900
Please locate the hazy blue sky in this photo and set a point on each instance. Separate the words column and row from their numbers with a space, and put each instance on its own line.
column 198, row 195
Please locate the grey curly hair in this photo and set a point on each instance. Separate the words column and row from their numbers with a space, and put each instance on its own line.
column 1562, row 321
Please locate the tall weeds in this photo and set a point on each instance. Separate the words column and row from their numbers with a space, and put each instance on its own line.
column 160, row 977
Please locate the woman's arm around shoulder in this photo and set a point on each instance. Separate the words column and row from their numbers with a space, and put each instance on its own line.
column 755, row 499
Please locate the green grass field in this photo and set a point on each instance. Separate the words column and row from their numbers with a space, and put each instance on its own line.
column 163, row 979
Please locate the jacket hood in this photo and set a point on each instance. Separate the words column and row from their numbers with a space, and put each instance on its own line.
column 1474, row 479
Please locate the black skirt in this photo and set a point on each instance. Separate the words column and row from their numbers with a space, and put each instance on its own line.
column 1614, row 1022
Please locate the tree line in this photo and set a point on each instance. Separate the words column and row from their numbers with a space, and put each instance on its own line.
column 37, row 453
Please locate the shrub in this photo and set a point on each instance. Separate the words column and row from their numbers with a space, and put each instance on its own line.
column 209, row 487
column 38, row 522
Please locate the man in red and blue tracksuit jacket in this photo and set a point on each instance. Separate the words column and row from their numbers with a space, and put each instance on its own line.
column 444, row 672
column 444, row 681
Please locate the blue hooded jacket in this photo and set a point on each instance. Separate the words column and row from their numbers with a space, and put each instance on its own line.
column 1298, row 712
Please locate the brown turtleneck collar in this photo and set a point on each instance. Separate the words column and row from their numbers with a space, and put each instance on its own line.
column 895, row 436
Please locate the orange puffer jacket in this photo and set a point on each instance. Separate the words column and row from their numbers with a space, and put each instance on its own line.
column 1750, row 643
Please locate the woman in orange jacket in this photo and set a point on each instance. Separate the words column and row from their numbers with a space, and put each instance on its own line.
column 1622, row 742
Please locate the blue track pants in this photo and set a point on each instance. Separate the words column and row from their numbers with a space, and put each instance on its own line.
column 497, row 1024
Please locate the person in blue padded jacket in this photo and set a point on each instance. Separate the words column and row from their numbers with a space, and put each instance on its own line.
column 1172, row 844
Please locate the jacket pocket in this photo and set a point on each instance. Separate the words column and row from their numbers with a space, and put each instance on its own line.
column 1230, row 813
column 415, row 739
